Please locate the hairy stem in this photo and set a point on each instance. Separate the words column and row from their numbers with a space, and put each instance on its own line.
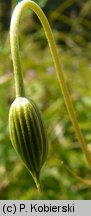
column 17, row 65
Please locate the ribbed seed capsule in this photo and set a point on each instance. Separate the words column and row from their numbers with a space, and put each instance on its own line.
column 28, row 134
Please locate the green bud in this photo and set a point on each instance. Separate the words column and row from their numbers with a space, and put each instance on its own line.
column 28, row 135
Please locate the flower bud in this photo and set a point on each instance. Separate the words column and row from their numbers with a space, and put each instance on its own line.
column 27, row 133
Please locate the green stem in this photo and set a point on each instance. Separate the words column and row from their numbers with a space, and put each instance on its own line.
column 38, row 184
column 17, row 65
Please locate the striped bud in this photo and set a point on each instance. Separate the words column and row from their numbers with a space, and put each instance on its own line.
column 28, row 134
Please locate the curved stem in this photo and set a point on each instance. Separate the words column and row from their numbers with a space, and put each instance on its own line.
column 17, row 66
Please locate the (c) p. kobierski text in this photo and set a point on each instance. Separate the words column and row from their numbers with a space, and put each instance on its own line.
column 48, row 208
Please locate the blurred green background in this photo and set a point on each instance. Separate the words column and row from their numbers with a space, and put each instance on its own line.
column 65, row 172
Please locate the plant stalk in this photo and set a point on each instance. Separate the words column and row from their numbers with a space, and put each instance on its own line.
column 17, row 65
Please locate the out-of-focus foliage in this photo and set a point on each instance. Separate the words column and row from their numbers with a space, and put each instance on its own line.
column 40, row 3
column 65, row 164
